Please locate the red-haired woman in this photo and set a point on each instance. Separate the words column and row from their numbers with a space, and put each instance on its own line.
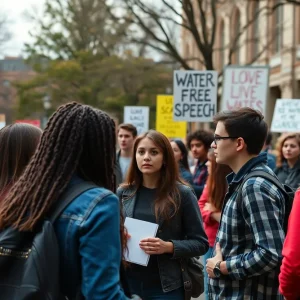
column 211, row 202
column 154, row 193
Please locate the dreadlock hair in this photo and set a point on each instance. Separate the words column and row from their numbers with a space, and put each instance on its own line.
column 77, row 139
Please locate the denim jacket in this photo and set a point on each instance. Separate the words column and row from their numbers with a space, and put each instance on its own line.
column 88, row 233
column 184, row 230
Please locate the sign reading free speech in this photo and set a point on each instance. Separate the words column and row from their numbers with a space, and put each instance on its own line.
column 195, row 95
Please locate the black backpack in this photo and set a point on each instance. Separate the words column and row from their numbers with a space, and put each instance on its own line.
column 286, row 190
column 29, row 261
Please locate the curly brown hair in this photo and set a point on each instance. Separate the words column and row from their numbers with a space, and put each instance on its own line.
column 280, row 159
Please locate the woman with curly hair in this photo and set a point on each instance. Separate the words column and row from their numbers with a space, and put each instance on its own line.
column 288, row 160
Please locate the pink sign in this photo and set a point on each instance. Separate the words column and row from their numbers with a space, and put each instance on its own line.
column 36, row 123
column 245, row 87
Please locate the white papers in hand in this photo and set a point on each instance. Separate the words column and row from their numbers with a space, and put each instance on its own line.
column 138, row 230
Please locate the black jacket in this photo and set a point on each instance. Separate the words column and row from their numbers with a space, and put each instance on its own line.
column 289, row 176
column 184, row 230
column 118, row 171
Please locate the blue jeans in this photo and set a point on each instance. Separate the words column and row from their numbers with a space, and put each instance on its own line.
column 154, row 293
column 207, row 255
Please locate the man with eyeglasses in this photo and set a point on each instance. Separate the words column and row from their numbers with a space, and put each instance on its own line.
column 247, row 255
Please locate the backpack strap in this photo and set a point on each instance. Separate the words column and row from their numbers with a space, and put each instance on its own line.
column 68, row 196
column 259, row 173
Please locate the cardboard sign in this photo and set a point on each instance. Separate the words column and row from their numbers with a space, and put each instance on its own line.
column 137, row 116
column 286, row 116
column 245, row 87
column 36, row 123
column 195, row 95
column 164, row 118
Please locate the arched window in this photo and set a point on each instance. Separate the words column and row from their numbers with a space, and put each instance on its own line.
column 235, row 36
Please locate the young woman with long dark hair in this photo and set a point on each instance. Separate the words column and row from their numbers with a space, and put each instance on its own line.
column 153, row 192
column 18, row 143
column 77, row 145
column 181, row 157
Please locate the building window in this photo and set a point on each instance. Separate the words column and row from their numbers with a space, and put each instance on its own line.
column 278, row 29
column 235, row 31
column 222, row 44
column 297, row 23
column 255, row 48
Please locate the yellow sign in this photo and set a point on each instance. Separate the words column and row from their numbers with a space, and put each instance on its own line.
column 164, row 118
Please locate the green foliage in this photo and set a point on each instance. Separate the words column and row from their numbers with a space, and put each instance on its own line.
column 80, row 53
column 108, row 83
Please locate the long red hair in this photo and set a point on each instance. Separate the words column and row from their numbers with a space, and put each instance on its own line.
column 216, row 182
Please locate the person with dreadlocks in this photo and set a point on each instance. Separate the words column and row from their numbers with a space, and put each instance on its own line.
column 78, row 144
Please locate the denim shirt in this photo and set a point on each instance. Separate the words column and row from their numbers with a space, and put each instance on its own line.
column 88, row 233
column 184, row 230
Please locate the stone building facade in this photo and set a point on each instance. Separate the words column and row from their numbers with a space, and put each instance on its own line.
column 273, row 39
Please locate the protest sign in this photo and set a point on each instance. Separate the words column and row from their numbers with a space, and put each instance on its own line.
column 35, row 122
column 195, row 95
column 164, row 118
column 245, row 87
column 286, row 116
column 137, row 116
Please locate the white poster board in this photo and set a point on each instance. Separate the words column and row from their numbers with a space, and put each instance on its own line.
column 137, row 116
column 195, row 95
column 245, row 87
column 138, row 230
column 286, row 116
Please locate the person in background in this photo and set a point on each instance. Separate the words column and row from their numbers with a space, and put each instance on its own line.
column 211, row 202
column 18, row 143
column 288, row 160
column 154, row 193
column 289, row 277
column 126, row 136
column 266, row 148
column 77, row 146
column 181, row 157
column 199, row 143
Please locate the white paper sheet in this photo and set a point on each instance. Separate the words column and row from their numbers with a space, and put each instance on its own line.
column 138, row 230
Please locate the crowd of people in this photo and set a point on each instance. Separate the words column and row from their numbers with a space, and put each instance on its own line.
column 199, row 191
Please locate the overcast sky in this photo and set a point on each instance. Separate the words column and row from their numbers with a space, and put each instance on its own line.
column 19, row 24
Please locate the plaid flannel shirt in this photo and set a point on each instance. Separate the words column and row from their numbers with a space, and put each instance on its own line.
column 251, row 237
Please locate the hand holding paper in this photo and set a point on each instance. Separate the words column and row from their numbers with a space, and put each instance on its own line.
column 138, row 230
column 156, row 246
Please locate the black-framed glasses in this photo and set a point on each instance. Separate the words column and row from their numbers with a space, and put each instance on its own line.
column 219, row 138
